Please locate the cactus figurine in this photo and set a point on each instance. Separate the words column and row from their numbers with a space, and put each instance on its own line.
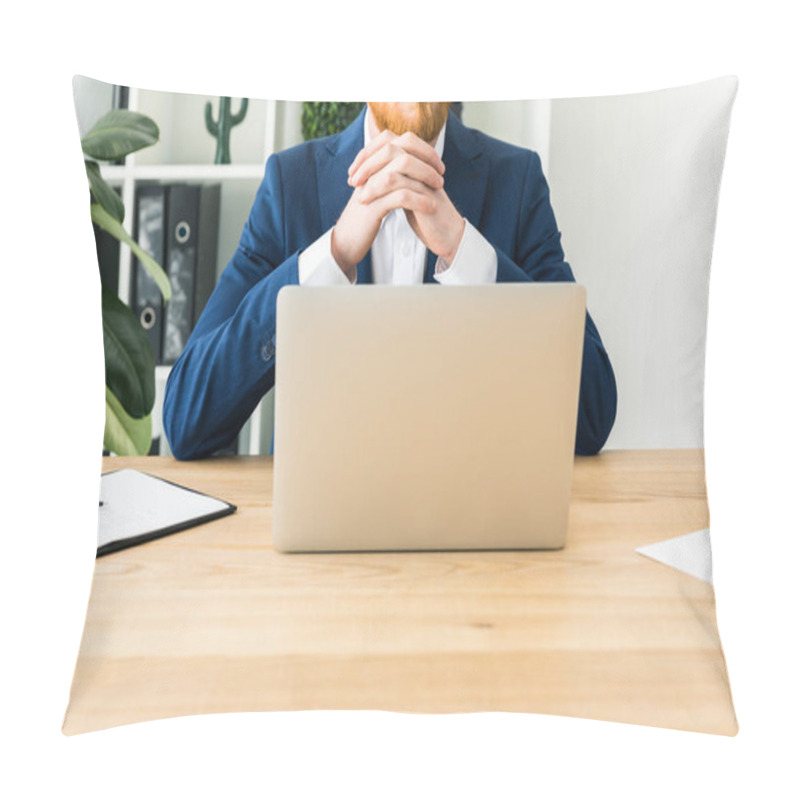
column 221, row 129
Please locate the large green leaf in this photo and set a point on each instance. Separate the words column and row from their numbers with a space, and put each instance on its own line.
column 130, row 368
column 103, row 193
column 118, row 133
column 102, row 218
column 124, row 435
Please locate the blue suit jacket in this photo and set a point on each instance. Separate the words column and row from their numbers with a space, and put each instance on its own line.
column 229, row 361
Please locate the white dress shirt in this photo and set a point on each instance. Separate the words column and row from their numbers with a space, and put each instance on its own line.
column 398, row 255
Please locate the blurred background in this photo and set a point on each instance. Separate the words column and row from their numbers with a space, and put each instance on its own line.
column 634, row 184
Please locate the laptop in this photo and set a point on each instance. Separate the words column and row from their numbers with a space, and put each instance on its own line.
column 425, row 417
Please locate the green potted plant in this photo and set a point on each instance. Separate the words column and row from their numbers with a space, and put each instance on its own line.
column 129, row 363
column 323, row 119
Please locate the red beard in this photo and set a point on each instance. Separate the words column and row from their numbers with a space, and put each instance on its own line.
column 423, row 119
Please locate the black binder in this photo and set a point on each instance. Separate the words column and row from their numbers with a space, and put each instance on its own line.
column 191, row 260
column 148, row 230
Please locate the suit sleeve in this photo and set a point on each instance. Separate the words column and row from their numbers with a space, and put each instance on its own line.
column 540, row 257
column 228, row 363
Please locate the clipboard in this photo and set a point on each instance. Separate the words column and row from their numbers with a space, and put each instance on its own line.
column 136, row 508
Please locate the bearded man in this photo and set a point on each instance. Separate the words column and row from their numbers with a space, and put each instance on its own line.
column 405, row 195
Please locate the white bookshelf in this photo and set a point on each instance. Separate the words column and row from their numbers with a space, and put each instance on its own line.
column 185, row 152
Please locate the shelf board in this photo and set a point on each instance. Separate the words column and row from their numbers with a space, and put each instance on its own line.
column 182, row 172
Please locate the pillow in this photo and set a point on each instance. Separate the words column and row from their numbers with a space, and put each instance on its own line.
column 619, row 625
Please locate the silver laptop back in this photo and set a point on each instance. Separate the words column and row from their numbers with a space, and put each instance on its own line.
column 426, row 417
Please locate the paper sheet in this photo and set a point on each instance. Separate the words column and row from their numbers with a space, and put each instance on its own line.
column 690, row 553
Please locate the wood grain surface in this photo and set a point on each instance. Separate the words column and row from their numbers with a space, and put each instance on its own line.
column 214, row 620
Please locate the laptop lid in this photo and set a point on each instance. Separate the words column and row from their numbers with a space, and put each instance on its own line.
column 426, row 417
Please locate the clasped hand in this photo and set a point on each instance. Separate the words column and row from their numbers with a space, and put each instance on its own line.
column 396, row 172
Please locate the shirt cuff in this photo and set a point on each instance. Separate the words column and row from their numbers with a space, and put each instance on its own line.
column 316, row 266
column 475, row 261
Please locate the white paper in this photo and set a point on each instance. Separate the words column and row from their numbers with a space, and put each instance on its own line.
column 690, row 553
column 134, row 503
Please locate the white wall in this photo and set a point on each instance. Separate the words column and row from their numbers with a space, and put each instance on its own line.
column 522, row 122
column 634, row 184
column 184, row 138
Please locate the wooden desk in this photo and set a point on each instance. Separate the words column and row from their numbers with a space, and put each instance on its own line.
column 214, row 620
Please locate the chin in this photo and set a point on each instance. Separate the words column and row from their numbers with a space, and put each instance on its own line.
column 423, row 119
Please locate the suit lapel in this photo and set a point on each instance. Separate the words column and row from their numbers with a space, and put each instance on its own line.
column 465, row 177
column 333, row 161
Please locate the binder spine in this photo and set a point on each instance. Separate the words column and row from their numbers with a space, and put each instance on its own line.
column 191, row 257
column 207, row 247
column 147, row 302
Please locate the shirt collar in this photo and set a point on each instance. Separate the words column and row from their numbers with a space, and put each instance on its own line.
column 438, row 144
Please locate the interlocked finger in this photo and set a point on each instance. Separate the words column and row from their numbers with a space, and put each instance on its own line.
column 386, row 147
column 408, row 199
column 401, row 171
